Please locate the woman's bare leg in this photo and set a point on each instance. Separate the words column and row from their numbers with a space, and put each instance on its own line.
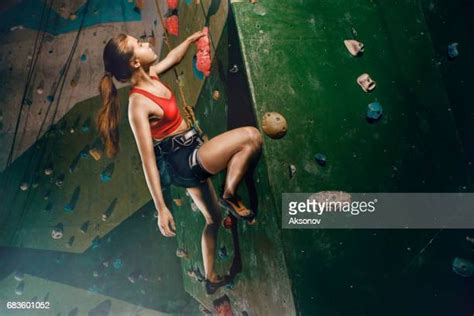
column 206, row 200
column 234, row 150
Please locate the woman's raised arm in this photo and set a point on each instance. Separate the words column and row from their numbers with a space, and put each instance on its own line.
column 175, row 55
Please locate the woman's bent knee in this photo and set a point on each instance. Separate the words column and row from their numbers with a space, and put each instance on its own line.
column 254, row 137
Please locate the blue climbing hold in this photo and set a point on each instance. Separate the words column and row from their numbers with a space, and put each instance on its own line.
column 374, row 112
column 222, row 252
column 198, row 74
column 85, row 128
column 453, row 50
column 320, row 159
column 50, row 98
column 83, row 57
column 68, row 208
column 118, row 264
column 463, row 267
column 105, row 177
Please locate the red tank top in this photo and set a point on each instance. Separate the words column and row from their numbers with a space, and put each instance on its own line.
column 171, row 119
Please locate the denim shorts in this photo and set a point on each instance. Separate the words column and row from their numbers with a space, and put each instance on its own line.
column 177, row 160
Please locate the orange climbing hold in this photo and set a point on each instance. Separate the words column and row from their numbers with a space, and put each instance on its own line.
column 203, row 55
column 172, row 4
column 172, row 25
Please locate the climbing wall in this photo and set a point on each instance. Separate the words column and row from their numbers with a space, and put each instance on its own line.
column 251, row 253
column 51, row 53
column 77, row 226
column 297, row 65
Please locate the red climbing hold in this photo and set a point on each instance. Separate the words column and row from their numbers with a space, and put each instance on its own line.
column 203, row 55
column 172, row 25
column 172, row 4
column 228, row 222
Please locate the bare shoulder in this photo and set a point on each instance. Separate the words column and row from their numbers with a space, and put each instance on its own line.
column 142, row 107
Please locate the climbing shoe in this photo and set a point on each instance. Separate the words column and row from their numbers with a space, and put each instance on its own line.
column 211, row 287
column 235, row 206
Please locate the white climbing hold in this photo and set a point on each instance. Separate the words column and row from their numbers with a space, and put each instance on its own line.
column 57, row 233
column 24, row 186
column 354, row 47
column 366, row 82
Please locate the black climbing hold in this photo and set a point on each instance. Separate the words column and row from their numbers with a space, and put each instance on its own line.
column 320, row 159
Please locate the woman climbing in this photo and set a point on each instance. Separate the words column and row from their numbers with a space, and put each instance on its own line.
column 170, row 150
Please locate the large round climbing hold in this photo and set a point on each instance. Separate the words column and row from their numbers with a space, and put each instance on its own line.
column 274, row 125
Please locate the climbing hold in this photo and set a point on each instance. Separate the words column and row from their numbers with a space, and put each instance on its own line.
column 194, row 207
column 470, row 239
column 83, row 57
column 222, row 306
column 320, row 159
column 228, row 221
column 95, row 153
column 453, row 50
column 222, row 252
column 118, row 264
column 40, row 88
column 50, row 98
column 216, row 95
column 57, row 232
column 339, row 197
column 84, row 227
column 106, row 263
column 234, row 69
column 72, row 17
column 60, row 181
column 292, row 171
column 35, row 182
column 20, row 288
column 48, row 171
column 106, row 174
column 198, row 74
column 190, row 272
column 252, row 221
column 134, row 276
column 203, row 54
column 19, row 276
column 24, row 186
column 199, row 275
column 463, row 267
column 172, row 4
column 72, row 130
column 70, row 242
column 374, row 112
column 181, row 253
column 354, row 47
column 68, row 208
column 366, row 83
column 172, row 25
column 17, row 27
column 178, row 202
column 274, row 125
column 95, row 274
column 46, row 195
